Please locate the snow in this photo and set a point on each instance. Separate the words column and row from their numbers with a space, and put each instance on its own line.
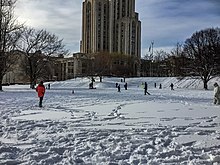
column 103, row 126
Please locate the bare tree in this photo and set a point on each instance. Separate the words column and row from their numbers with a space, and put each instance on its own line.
column 177, row 51
column 111, row 64
column 102, row 63
column 178, row 62
column 160, row 55
column 203, row 49
column 38, row 46
column 9, row 36
column 124, row 65
column 157, row 64
column 149, row 57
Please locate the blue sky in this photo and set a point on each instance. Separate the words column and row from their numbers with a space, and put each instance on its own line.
column 165, row 22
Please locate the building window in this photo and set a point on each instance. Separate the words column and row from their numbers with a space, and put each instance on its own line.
column 128, row 8
column 70, row 64
column 133, row 38
column 123, row 8
column 88, row 27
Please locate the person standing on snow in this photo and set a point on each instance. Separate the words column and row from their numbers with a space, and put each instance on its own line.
column 126, row 86
column 119, row 88
column 40, row 91
column 216, row 94
column 171, row 86
column 145, row 89
column 48, row 86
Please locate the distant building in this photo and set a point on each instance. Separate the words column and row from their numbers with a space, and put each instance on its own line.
column 111, row 26
column 171, row 66
column 77, row 65
column 16, row 74
column 60, row 68
column 108, row 26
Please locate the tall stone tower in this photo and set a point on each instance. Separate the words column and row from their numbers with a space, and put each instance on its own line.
column 125, row 28
column 95, row 26
column 111, row 26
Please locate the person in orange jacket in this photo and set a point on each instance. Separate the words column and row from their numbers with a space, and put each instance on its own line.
column 41, row 91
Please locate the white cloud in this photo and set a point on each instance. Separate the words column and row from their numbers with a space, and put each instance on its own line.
column 165, row 22
column 61, row 18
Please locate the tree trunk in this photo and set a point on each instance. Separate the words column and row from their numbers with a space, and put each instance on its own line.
column 32, row 81
column 32, row 84
column 1, row 78
column 1, row 86
column 205, row 82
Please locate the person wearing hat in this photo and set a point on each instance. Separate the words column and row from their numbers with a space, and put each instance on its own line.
column 40, row 91
column 216, row 94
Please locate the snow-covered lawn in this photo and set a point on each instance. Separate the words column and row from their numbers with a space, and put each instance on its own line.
column 104, row 127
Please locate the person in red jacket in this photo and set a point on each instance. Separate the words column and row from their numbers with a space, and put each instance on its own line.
column 41, row 91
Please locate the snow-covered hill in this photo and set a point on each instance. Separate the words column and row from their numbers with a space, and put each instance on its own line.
column 105, row 127
column 187, row 82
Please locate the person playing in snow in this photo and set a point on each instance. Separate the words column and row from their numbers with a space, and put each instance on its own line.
column 119, row 88
column 171, row 86
column 91, row 84
column 126, row 86
column 40, row 91
column 216, row 94
column 145, row 89
column 48, row 86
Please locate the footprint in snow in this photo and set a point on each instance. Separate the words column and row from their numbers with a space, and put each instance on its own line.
column 118, row 107
column 91, row 115
column 115, row 112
